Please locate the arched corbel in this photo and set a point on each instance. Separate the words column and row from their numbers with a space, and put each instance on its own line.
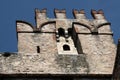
column 100, row 25
column 46, row 23
column 23, row 26
column 83, row 24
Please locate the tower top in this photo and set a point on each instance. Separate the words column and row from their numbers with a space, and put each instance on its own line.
column 62, row 46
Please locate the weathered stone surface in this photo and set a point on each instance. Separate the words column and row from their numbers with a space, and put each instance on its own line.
column 41, row 49
column 30, row 41
column 100, row 52
column 23, row 26
column 44, row 63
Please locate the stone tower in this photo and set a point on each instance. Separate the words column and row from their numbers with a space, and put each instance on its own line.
column 78, row 48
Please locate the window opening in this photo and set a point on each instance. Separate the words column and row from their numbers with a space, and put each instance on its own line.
column 67, row 40
column 38, row 49
column 66, row 47
column 58, row 40
column 61, row 32
column 69, row 31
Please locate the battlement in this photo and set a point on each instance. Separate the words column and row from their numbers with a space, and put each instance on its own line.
column 92, row 26
column 78, row 14
column 61, row 46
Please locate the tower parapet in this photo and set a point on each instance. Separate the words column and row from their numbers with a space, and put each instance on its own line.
column 62, row 46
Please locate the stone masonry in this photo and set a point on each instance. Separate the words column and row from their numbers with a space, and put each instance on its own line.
column 62, row 46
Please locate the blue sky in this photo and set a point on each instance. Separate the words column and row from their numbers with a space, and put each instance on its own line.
column 12, row 10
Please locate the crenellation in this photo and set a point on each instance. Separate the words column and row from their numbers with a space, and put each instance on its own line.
column 79, row 14
column 60, row 14
column 60, row 46
column 41, row 17
column 97, row 14
column 41, row 13
column 100, row 11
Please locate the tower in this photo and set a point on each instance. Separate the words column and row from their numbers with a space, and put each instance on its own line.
column 78, row 48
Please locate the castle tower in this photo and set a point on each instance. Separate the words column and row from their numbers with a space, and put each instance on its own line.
column 78, row 48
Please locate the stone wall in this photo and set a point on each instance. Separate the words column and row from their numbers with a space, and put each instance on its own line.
column 38, row 47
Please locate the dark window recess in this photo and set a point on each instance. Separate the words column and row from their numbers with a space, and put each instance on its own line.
column 58, row 40
column 38, row 49
column 61, row 32
column 66, row 48
column 67, row 40
column 70, row 31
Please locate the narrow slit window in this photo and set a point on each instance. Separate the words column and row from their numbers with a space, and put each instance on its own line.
column 38, row 49
column 66, row 48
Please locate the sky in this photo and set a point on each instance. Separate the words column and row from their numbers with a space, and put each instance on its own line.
column 12, row 10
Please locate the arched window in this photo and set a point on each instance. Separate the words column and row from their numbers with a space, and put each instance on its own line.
column 66, row 47
column 61, row 32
